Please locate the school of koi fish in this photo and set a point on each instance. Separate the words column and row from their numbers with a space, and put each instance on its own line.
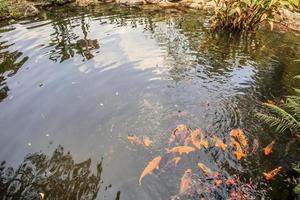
column 210, row 181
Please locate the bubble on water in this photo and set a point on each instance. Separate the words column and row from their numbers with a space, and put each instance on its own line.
column 117, row 93
column 29, row 144
column 101, row 104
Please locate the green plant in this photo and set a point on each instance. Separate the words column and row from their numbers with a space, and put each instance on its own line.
column 296, row 167
column 248, row 14
column 284, row 116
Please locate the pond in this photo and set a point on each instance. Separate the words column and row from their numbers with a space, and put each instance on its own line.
column 74, row 83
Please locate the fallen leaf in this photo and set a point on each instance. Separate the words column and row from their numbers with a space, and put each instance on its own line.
column 204, row 168
column 269, row 148
column 186, row 181
column 146, row 141
column 152, row 165
column 219, row 143
column 181, row 149
column 271, row 174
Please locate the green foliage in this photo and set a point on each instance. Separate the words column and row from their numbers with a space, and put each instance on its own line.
column 248, row 14
column 8, row 9
column 284, row 116
column 296, row 167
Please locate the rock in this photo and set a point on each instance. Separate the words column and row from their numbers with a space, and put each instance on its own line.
column 131, row 2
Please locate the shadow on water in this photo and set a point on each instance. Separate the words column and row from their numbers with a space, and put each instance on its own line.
column 52, row 177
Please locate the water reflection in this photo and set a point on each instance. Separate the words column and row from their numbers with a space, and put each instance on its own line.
column 66, row 41
column 56, row 176
column 10, row 63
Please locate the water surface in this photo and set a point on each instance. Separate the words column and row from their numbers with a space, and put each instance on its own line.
column 80, row 81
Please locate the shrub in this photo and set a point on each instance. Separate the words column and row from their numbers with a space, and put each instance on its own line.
column 248, row 14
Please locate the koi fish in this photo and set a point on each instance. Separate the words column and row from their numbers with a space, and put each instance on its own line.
column 152, row 165
column 146, row 141
column 271, row 174
column 205, row 169
column 219, row 143
column 218, row 182
column 231, row 181
column 238, row 149
column 181, row 149
column 182, row 130
column 134, row 139
column 186, row 181
column 269, row 148
column 240, row 135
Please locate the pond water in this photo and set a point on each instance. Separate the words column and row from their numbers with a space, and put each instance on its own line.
column 75, row 83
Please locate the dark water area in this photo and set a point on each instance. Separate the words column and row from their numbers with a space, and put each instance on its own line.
column 75, row 83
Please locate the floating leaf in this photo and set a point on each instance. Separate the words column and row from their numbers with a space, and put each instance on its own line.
column 269, row 148
column 219, row 143
column 271, row 174
column 152, row 165
column 181, row 149
column 186, row 181
column 204, row 168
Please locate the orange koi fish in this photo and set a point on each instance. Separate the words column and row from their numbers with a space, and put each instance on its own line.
column 152, row 165
column 186, row 181
column 205, row 169
column 271, row 174
column 219, row 143
column 238, row 149
column 181, row 149
column 269, row 148
column 240, row 135
column 134, row 139
column 182, row 130
column 146, row 141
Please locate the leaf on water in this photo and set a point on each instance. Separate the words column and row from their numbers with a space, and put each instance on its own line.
column 271, row 174
column 204, row 143
column 219, row 143
column 204, row 168
column 240, row 135
column 146, row 141
column 152, row 165
column 181, row 149
column 269, row 148
column 186, row 181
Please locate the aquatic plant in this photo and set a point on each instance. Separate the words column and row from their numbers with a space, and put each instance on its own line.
column 285, row 115
column 248, row 14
